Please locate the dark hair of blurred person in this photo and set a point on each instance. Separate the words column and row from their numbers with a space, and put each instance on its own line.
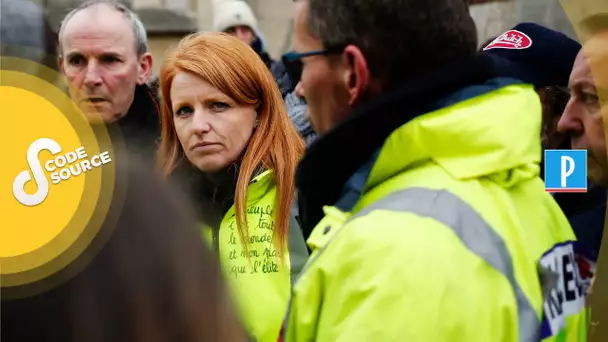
column 154, row 280
column 224, row 128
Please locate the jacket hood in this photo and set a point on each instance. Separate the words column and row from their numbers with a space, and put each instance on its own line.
column 448, row 115
column 260, row 40
column 259, row 45
column 495, row 135
column 232, row 13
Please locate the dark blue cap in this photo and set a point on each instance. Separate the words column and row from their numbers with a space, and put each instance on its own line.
column 534, row 54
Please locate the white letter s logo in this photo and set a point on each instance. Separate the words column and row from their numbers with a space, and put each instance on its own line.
column 37, row 171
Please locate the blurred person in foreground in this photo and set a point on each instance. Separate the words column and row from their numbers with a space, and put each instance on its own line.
column 583, row 121
column 103, row 52
column 227, row 138
column 236, row 18
column 25, row 33
column 153, row 280
column 422, row 200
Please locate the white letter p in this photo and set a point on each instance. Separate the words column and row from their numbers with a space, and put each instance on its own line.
column 567, row 169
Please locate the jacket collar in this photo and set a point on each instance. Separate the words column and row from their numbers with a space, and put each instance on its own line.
column 488, row 130
column 260, row 184
column 144, row 113
column 333, row 158
column 140, row 127
column 213, row 195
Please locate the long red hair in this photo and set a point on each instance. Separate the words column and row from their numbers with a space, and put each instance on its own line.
column 236, row 70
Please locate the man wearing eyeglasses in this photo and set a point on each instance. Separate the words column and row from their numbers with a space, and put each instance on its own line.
column 421, row 199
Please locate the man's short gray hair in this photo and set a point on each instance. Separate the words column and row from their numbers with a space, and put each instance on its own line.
column 400, row 39
column 139, row 31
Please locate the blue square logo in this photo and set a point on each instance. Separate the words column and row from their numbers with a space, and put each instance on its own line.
column 566, row 170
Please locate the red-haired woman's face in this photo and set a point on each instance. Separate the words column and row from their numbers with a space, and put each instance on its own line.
column 211, row 127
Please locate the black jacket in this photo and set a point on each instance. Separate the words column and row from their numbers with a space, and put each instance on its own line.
column 139, row 130
column 586, row 213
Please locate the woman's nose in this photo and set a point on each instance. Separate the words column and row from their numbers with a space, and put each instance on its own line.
column 201, row 122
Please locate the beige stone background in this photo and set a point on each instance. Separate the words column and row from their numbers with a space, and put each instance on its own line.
column 169, row 20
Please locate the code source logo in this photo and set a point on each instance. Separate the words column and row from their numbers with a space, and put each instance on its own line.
column 566, row 170
column 66, row 162
column 57, row 177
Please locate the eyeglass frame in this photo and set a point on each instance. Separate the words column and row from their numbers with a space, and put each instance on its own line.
column 293, row 61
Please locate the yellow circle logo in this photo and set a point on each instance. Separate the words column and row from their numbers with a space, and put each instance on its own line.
column 37, row 194
column 55, row 175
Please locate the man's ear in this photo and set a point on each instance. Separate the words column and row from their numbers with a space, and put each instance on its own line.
column 357, row 75
column 145, row 68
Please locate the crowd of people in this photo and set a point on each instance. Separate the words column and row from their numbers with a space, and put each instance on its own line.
column 383, row 181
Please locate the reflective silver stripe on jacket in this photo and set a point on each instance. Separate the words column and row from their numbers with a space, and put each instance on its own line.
column 475, row 234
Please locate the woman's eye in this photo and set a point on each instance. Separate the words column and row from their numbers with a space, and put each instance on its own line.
column 185, row 110
column 219, row 106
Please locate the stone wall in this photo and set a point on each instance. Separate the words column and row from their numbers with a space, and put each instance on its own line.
column 166, row 27
column 549, row 13
column 493, row 19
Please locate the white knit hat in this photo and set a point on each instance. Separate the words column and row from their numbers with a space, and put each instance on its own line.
column 233, row 13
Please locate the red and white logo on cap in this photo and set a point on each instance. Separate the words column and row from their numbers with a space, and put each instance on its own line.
column 512, row 39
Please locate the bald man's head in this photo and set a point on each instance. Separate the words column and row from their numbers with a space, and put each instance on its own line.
column 95, row 10
column 103, row 58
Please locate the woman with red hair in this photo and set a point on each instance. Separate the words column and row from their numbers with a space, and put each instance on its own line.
column 227, row 136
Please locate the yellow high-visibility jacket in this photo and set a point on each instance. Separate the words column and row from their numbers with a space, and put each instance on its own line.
column 452, row 239
column 261, row 284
